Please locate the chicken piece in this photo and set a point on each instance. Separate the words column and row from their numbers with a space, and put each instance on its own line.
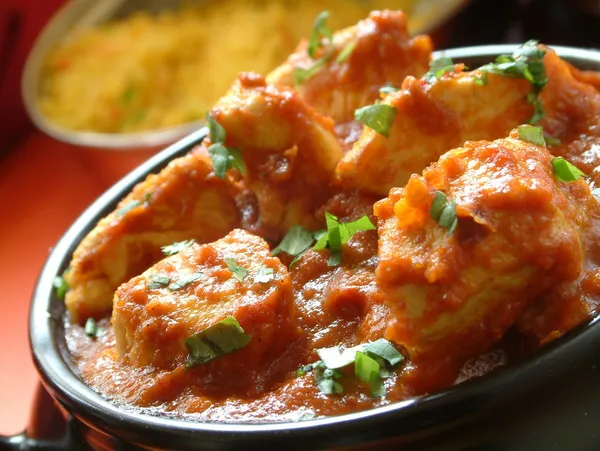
column 290, row 152
column 383, row 53
column 155, row 313
column 452, row 295
column 432, row 118
column 184, row 201
column 572, row 115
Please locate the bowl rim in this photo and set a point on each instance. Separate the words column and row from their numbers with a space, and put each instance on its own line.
column 53, row 32
column 408, row 416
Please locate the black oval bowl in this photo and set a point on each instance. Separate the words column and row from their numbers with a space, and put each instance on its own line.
column 538, row 399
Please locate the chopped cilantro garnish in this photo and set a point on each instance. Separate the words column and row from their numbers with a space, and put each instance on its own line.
column 220, row 339
column 551, row 140
column 296, row 241
column 238, row 271
column 216, row 132
column 226, row 158
column 366, row 369
column 379, row 117
column 264, row 275
column 320, row 36
column 444, row 212
column 223, row 158
column 61, row 286
column 301, row 75
column 91, row 327
column 388, row 89
column 346, row 52
column 338, row 234
column 565, row 171
column 319, row 32
column 534, row 135
column 438, row 67
column 526, row 62
column 128, row 207
column 185, row 280
column 369, row 361
column 158, row 281
column 177, row 247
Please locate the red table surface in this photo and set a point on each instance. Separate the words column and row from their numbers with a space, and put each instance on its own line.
column 44, row 186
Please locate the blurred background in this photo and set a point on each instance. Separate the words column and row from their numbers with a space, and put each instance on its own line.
column 94, row 98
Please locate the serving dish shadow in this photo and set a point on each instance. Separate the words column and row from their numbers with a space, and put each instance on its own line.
column 549, row 397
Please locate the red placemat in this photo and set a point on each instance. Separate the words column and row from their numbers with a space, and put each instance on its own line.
column 44, row 186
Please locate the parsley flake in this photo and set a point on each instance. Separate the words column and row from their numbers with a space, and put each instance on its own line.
column 379, row 117
column 238, row 271
column 185, row 280
column 295, row 242
column 526, row 62
column 220, row 339
column 177, row 247
column 223, row 158
column 91, row 327
column 158, row 281
column 321, row 36
column 338, row 234
column 534, row 135
column 60, row 285
column 319, row 33
column 565, row 171
column 444, row 212
column 372, row 362
column 388, row 89
column 346, row 52
column 438, row 67
column 264, row 275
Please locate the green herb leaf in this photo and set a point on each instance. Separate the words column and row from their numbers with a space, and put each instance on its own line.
column 437, row 206
column 366, row 369
column 361, row 224
column 220, row 339
column 386, row 350
column 338, row 234
column 319, row 31
column 225, row 158
column 296, row 241
column 533, row 135
column 379, row 117
column 185, row 280
column 238, row 271
column 346, row 52
column 444, row 211
column 526, row 62
column 158, row 281
column 301, row 75
column 128, row 207
column 91, row 327
column 264, row 275
column 61, row 286
column 216, row 130
column 551, row 140
column 177, row 247
column 565, row 171
column 439, row 67
column 388, row 89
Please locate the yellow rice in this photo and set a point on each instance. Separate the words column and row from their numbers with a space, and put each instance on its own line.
column 148, row 72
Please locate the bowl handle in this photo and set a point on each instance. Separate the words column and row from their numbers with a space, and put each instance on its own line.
column 48, row 429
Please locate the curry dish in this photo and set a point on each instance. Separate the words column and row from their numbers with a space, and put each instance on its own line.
column 362, row 226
